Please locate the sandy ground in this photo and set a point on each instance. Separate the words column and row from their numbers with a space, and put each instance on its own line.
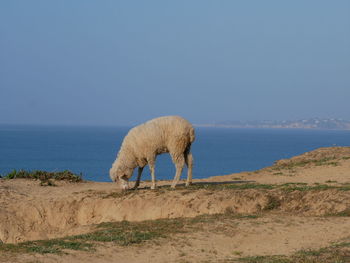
column 29, row 211
column 273, row 234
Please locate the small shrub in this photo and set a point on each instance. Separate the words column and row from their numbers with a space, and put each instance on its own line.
column 272, row 203
column 44, row 176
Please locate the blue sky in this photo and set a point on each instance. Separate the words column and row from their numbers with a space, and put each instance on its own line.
column 123, row 62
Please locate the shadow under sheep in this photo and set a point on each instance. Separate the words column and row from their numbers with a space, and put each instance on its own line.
column 182, row 186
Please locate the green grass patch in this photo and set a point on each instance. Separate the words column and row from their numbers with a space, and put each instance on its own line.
column 52, row 246
column 331, row 182
column 44, row 176
column 344, row 213
column 244, row 186
column 211, row 187
column 337, row 253
column 290, row 165
column 316, row 187
column 265, row 259
column 234, row 186
column 123, row 233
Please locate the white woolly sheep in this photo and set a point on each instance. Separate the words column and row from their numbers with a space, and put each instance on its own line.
column 142, row 144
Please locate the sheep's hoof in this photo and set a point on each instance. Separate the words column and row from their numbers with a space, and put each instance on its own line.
column 188, row 183
column 153, row 187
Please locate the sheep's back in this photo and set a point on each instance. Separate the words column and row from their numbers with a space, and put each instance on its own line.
column 155, row 135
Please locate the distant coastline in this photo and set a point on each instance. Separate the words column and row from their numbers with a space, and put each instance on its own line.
column 313, row 123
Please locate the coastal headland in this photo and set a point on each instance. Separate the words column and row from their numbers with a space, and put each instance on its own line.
column 297, row 210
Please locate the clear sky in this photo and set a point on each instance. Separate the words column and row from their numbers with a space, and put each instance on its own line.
column 123, row 62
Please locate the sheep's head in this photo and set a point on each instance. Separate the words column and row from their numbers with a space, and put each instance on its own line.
column 121, row 177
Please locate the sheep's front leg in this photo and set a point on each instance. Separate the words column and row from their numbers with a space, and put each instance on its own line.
column 151, row 167
column 137, row 183
column 179, row 164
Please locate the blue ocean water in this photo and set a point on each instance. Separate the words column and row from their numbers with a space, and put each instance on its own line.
column 217, row 151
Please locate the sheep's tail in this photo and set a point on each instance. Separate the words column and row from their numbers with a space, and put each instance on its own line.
column 192, row 136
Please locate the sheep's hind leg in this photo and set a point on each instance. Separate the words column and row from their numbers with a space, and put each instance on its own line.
column 189, row 163
column 137, row 183
column 179, row 164
column 151, row 167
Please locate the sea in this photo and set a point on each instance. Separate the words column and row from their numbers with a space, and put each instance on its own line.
column 92, row 150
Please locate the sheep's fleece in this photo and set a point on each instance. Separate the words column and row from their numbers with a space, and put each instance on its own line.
column 172, row 134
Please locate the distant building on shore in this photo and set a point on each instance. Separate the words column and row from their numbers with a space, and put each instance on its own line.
column 313, row 123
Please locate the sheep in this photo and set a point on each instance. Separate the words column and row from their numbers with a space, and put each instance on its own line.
column 142, row 144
